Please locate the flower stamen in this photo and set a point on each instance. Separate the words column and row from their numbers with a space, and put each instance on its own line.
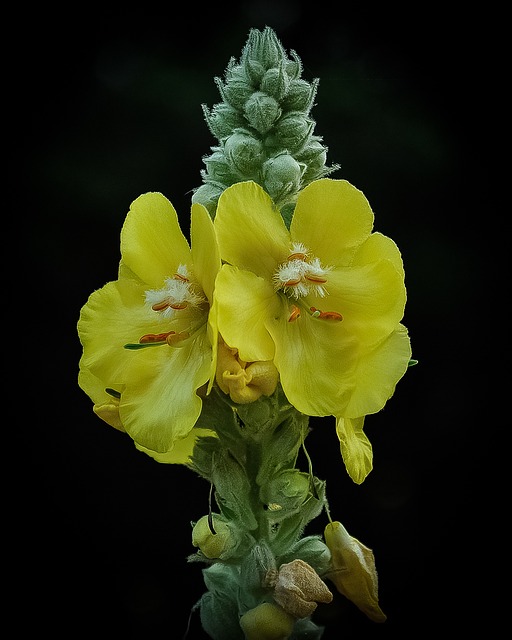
column 294, row 314
column 326, row 315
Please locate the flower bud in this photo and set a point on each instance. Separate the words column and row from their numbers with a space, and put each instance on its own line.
column 267, row 621
column 208, row 195
column 353, row 570
column 243, row 152
column 275, row 82
column 300, row 96
column 293, row 131
column 223, row 119
column 218, row 168
column 237, row 92
column 262, row 111
column 281, row 176
column 213, row 545
column 299, row 588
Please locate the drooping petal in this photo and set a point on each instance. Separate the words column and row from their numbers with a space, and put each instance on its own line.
column 152, row 243
column 370, row 297
column 251, row 231
column 159, row 404
column 355, row 447
column 244, row 302
column 332, row 218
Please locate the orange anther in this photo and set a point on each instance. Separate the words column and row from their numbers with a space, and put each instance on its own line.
column 313, row 278
column 173, row 337
column 296, row 256
column 178, row 276
column 326, row 315
column 155, row 337
column 294, row 314
column 179, row 305
column 292, row 283
column 160, row 306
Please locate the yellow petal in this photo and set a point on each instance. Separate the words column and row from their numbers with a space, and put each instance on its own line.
column 371, row 299
column 159, row 404
column 315, row 360
column 182, row 449
column 152, row 243
column 205, row 251
column 378, row 371
column 355, row 447
column 353, row 570
column 251, row 231
column 332, row 218
column 244, row 302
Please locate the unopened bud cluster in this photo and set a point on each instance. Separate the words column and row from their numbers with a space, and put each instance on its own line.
column 263, row 126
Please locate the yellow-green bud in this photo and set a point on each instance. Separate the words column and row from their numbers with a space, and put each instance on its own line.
column 267, row 621
column 213, row 545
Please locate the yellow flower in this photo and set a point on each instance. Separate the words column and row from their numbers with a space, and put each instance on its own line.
column 147, row 336
column 353, row 570
column 324, row 300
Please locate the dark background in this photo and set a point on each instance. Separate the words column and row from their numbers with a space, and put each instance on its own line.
column 111, row 104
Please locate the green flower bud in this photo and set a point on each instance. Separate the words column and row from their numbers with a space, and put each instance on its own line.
column 293, row 131
column 265, row 47
column 208, row 195
column 300, row 96
column 218, row 167
column 223, row 119
column 213, row 545
column 262, row 111
column 254, row 71
column 275, row 82
column 281, row 177
column 244, row 153
column 267, row 621
column 314, row 156
column 236, row 92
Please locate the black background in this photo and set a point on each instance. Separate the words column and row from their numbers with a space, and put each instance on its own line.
column 109, row 108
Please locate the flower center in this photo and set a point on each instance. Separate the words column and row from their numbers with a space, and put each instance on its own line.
column 178, row 293
column 301, row 274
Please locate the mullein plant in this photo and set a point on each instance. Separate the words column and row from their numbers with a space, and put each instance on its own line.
column 214, row 352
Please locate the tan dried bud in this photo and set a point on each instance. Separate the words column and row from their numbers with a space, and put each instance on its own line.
column 353, row 570
column 299, row 589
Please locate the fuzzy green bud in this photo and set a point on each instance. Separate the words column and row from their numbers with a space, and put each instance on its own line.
column 275, row 82
column 300, row 96
column 293, row 131
column 281, row 177
column 208, row 195
column 222, row 119
column 235, row 92
column 267, row 621
column 244, row 152
column 262, row 111
column 265, row 47
column 214, row 544
column 218, row 167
